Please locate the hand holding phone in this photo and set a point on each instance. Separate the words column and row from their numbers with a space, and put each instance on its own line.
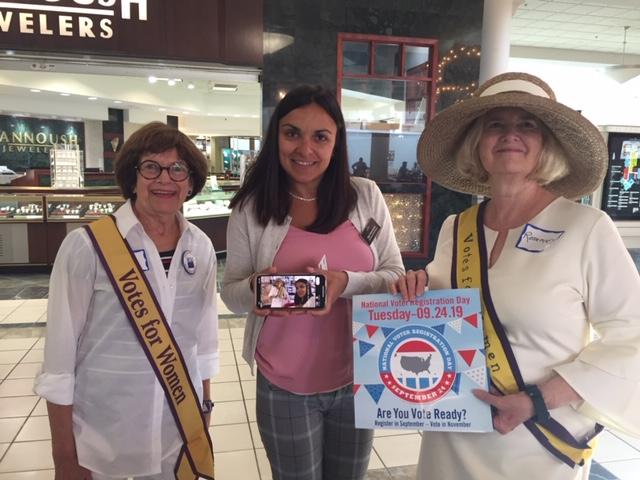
column 290, row 291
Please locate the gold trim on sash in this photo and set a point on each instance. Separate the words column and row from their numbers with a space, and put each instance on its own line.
column 142, row 308
column 470, row 271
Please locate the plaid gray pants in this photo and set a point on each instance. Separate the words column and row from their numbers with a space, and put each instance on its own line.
column 311, row 437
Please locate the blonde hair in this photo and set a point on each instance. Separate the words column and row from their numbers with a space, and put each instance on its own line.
column 552, row 163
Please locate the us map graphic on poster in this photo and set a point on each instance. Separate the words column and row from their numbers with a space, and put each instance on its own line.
column 416, row 362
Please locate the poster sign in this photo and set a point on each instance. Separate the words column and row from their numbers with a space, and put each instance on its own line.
column 621, row 193
column 416, row 362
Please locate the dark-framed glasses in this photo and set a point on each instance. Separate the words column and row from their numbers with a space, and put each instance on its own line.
column 150, row 169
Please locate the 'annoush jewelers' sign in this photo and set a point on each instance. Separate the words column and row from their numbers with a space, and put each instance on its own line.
column 83, row 19
column 25, row 142
column 224, row 31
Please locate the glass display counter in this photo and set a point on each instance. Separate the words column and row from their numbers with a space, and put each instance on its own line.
column 208, row 204
column 80, row 208
column 21, row 208
column 35, row 220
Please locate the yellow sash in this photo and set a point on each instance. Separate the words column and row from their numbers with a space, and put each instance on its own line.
column 469, row 270
column 139, row 303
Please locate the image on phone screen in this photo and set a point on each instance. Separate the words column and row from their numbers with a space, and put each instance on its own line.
column 289, row 291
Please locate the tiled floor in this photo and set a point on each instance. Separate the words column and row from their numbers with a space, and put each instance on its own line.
column 25, row 446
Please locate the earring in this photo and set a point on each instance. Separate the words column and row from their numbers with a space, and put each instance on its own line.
column 189, row 193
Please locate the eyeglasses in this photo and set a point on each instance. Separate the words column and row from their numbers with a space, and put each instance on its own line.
column 150, row 169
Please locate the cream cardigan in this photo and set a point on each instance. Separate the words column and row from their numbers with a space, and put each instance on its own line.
column 252, row 247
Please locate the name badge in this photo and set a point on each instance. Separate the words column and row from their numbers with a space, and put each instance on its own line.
column 141, row 256
column 370, row 231
column 535, row 239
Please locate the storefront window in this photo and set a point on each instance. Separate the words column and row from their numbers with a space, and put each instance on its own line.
column 355, row 59
column 387, row 59
column 417, row 61
column 386, row 104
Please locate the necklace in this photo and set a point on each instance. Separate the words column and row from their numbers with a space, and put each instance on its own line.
column 298, row 197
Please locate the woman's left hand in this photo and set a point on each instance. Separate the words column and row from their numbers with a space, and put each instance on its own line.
column 336, row 282
column 510, row 410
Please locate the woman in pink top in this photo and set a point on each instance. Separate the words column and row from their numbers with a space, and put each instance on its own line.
column 299, row 210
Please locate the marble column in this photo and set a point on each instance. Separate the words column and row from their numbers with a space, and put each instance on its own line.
column 496, row 36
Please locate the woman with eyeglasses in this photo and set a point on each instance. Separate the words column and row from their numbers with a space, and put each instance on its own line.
column 118, row 407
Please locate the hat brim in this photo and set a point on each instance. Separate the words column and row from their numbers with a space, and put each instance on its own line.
column 582, row 142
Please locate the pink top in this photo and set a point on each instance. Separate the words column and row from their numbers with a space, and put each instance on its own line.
column 310, row 354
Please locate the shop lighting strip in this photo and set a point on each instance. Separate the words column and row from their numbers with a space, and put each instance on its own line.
column 52, row 8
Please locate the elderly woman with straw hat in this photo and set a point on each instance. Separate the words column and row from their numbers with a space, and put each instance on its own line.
column 551, row 272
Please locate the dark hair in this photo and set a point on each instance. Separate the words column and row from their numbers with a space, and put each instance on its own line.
column 268, row 184
column 301, row 300
column 157, row 137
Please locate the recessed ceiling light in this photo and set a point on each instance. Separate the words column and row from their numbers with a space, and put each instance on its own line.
column 171, row 83
column 65, row 94
column 92, row 98
column 153, row 79
column 209, row 114
column 10, row 52
column 34, row 90
column 224, row 87
column 117, row 101
column 185, row 113
column 162, row 109
column 191, row 86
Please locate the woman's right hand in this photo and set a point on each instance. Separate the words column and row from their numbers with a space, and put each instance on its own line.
column 410, row 285
column 68, row 468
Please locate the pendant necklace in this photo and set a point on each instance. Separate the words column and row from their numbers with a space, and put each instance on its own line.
column 298, row 197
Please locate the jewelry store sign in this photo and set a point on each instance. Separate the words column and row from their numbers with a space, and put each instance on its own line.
column 25, row 142
column 64, row 18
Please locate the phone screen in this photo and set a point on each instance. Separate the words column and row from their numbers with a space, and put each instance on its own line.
column 290, row 290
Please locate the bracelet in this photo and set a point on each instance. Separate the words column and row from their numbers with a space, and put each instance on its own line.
column 540, row 411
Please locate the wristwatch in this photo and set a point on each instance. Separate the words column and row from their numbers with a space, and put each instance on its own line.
column 207, row 406
column 540, row 411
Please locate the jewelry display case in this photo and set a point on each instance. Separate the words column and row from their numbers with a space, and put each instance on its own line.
column 213, row 203
column 21, row 208
column 35, row 220
column 80, row 208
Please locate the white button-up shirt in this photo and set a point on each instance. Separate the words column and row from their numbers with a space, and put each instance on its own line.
column 93, row 360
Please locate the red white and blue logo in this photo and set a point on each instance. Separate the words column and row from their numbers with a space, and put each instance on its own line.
column 417, row 364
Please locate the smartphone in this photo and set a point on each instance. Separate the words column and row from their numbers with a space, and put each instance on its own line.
column 291, row 290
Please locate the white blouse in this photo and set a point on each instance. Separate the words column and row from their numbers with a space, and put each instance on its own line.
column 93, row 360
column 556, row 281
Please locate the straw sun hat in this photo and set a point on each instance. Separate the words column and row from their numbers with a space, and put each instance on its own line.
column 583, row 144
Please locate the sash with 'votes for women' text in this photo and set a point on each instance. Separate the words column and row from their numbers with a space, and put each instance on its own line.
column 470, row 270
column 139, row 303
